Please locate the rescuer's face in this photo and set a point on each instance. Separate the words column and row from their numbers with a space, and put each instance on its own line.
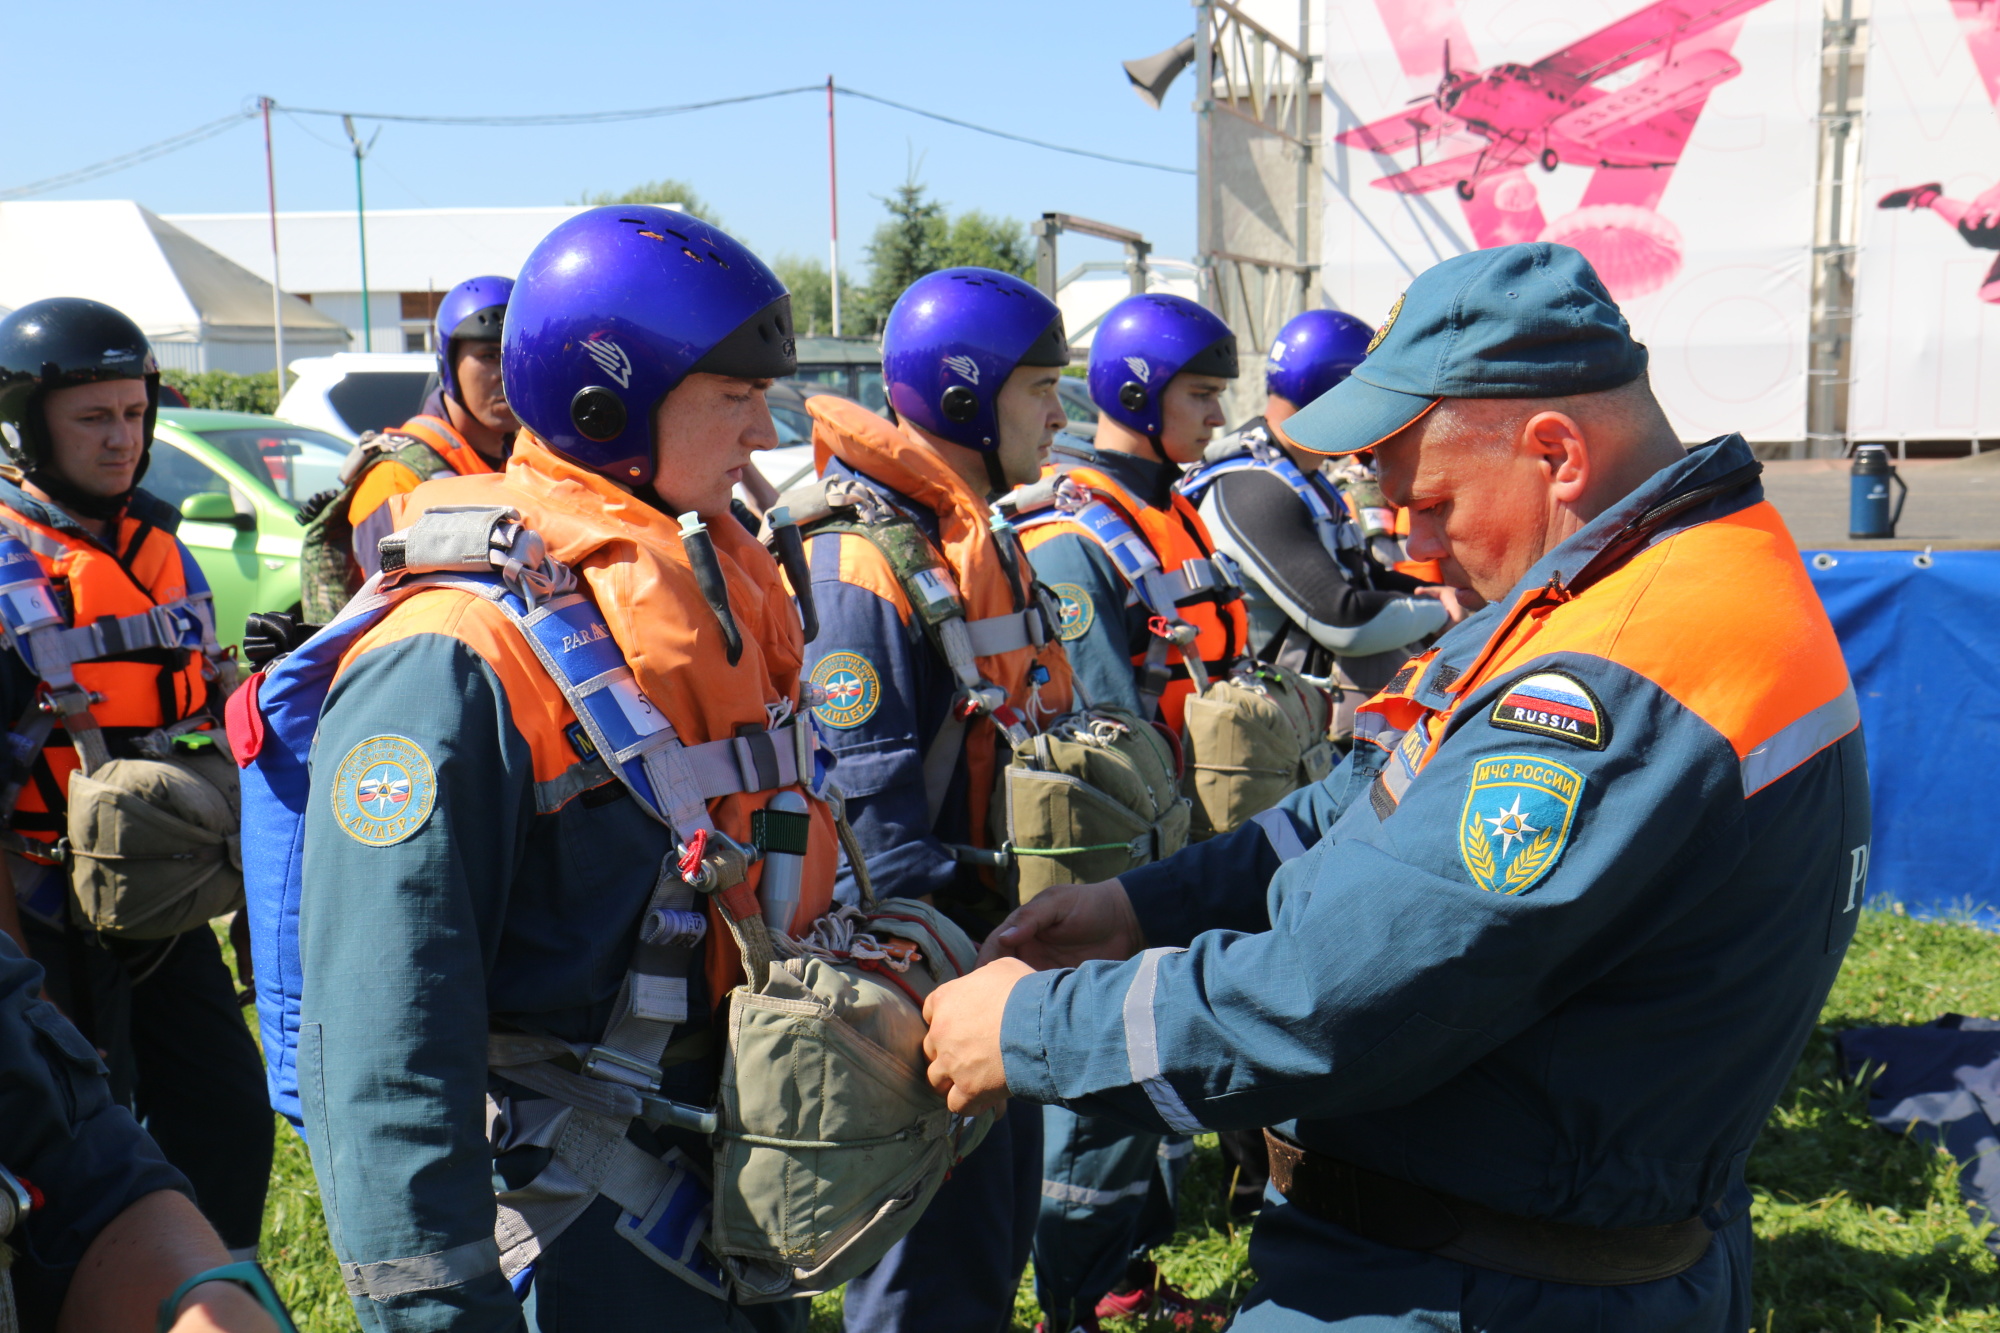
column 1029, row 415
column 1481, row 494
column 97, row 434
column 704, row 433
column 1190, row 414
column 478, row 371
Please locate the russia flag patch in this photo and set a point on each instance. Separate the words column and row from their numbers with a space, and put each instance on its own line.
column 1553, row 703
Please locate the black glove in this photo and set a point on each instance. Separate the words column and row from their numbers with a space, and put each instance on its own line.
column 269, row 635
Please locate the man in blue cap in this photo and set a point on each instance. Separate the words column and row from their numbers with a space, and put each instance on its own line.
column 1519, row 982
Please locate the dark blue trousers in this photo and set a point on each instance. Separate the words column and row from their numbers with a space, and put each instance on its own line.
column 958, row 1270
column 1315, row 1277
column 181, row 1056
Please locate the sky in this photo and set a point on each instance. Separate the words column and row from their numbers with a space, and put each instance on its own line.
column 116, row 76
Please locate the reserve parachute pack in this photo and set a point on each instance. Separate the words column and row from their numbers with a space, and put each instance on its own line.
column 1094, row 788
column 827, row 1139
column 328, row 572
column 1251, row 736
column 151, row 847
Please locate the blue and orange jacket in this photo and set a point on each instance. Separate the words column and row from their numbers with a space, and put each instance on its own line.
column 515, row 904
column 890, row 691
column 1554, row 940
column 369, row 512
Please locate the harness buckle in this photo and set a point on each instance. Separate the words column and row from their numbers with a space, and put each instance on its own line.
column 667, row 1113
column 611, row 1066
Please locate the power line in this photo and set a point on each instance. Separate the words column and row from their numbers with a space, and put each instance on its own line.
column 1017, row 138
column 569, row 118
column 200, row 133
column 186, row 139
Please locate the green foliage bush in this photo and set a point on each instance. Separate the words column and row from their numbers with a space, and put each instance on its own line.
column 221, row 391
column 920, row 237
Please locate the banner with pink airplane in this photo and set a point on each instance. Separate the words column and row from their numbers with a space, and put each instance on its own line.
column 1927, row 299
column 1673, row 143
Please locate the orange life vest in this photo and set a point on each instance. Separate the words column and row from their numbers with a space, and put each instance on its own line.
column 132, row 693
column 1177, row 536
column 971, row 550
column 389, row 477
column 628, row 557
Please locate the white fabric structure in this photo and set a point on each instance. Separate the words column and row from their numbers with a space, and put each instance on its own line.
column 1927, row 302
column 1709, row 253
column 200, row 311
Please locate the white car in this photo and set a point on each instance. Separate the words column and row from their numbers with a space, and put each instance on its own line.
column 350, row 393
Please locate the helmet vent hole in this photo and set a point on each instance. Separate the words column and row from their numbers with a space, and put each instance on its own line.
column 691, row 254
column 718, row 259
column 597, row 413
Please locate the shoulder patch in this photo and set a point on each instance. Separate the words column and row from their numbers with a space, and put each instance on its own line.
column 384, row 790
column 853, row 691
column 1518, row 812
column 1553, row 703
column 1075, row 612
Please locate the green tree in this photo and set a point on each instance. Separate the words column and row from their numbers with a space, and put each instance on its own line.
column 665, row 190
column 812, row 296
column 219, row 390
column 920, row 237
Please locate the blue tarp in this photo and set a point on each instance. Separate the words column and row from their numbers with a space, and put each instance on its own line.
column 1922, row 636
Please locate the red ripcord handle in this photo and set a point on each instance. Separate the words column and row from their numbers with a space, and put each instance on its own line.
column 690, row 862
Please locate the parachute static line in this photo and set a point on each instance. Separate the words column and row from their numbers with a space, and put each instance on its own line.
column 707, row 569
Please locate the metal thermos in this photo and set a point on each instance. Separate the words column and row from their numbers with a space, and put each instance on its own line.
column 1868, row 510
column 784, row 872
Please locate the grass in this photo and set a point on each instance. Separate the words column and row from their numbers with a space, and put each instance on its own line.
column 1858, row 1231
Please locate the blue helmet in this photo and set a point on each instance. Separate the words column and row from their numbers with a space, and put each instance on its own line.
column 617, row 306
column 1314, row 352
column 1145, row 341
column 473, row 311
column 952, row 340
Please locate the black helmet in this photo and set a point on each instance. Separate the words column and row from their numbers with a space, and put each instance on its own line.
column 59, row 342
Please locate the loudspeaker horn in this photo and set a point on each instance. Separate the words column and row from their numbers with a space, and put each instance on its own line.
column 1152, row 75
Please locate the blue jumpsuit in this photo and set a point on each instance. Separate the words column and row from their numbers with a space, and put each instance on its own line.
column 1550, row 940
column 959, row 1268
column 61, row 1133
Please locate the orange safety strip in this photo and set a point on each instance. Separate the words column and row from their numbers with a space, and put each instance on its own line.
column 539, row 711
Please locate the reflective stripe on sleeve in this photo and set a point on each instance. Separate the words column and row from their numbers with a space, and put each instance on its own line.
column 1064, row 1192
column 1142, row 1046
column 1278, row 831
column 423, row 1272
column 1799, row 741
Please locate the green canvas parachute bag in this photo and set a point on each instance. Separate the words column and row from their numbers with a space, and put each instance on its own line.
column 831, row 1140
column 1094, row 794
column 1252, row 739
column 153, row 843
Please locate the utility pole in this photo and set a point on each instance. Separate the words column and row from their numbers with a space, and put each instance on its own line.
column 833, row 204
column 277, row 284
column 361, row 225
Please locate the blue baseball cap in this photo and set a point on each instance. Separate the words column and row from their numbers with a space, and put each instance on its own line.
column 1516, row 321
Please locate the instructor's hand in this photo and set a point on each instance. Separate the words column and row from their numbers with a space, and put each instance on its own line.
column 963, row 1044
column 1067, row 925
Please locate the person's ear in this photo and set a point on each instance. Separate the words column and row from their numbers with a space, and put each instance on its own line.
column 1557, row 445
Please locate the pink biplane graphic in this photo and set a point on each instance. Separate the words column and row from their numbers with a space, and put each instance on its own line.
column 1496, row 121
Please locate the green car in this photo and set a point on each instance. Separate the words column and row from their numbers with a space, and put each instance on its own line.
column 238, row 480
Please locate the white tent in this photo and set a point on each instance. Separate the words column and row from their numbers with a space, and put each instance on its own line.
column 201, row 311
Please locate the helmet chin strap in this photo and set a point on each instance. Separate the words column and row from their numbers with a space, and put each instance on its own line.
column 996, row 474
